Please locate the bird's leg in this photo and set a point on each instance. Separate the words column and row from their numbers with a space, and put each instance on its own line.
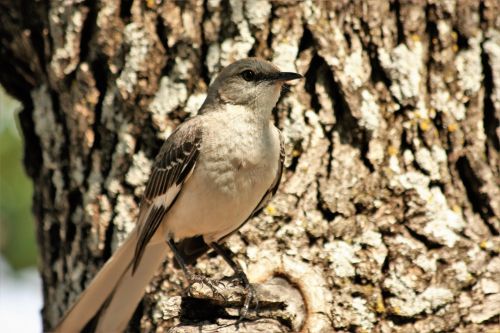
column 225, row 253
column 191, row 277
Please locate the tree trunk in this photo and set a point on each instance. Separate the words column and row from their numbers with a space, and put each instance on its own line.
column 388, row 216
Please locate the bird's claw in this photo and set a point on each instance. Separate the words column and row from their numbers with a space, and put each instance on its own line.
column 250, row 294
column 204, row 281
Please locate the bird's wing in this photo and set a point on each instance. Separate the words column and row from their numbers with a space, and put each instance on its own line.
column 172, row 167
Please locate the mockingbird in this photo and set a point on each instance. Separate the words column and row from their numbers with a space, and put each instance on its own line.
column 216, row 171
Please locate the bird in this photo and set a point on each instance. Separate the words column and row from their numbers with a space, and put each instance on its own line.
column 215, row 171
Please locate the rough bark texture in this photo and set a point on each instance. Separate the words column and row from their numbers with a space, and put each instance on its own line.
column 388, row 217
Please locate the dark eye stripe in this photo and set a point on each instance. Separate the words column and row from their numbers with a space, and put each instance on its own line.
column 257, row 77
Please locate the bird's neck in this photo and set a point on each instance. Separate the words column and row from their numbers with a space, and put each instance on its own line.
column 251, row 115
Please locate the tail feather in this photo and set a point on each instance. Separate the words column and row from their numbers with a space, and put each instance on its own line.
column 116, row 286
column 130, row 290
column 92, row 298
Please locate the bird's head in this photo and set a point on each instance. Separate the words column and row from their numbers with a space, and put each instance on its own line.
column 250, row 82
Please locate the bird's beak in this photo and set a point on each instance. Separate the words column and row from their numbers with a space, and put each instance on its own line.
column 285, row 76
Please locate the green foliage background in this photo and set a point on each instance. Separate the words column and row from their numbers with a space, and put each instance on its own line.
column 17, row 229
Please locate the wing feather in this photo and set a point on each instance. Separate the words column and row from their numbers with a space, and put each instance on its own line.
column 172, row 167
column 187, row 167
column 155, row 217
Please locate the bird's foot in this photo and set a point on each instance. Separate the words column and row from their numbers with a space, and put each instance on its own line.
column 250, row 293
column 202, row 280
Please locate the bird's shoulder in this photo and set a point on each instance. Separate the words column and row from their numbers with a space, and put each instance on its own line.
column 186, row 137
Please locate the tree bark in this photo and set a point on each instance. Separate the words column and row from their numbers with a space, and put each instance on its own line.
column 388, row 216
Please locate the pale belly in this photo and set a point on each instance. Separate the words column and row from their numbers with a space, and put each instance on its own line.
column 222, row 192
column 205, row 210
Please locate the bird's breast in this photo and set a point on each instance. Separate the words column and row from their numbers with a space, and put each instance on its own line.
column 238, row 163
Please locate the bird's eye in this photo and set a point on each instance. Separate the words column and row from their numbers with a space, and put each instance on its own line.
column 248, row 75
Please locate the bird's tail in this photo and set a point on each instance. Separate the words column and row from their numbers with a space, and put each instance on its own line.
column 116, row 286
